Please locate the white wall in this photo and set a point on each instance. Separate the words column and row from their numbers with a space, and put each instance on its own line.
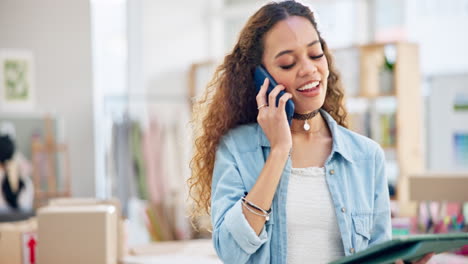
column 174, row 35
column 59, row 35
column 439, row 27
column 443, row 121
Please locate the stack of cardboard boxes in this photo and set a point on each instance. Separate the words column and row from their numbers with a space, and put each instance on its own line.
column 68, row 231
column 18, row 241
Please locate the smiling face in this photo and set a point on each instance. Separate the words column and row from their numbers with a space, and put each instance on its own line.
column 294, row 57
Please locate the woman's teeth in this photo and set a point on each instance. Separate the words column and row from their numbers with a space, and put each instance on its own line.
column 309, row 86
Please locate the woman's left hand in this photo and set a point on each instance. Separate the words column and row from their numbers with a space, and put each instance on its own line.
column 423, row 260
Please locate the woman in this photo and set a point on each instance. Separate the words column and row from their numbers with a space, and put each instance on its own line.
column 312, row 191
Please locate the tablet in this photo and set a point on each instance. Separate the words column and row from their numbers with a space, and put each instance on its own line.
column 408, row 248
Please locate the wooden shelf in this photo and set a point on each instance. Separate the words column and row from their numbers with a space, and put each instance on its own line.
column 406, row 90
column 373, row 97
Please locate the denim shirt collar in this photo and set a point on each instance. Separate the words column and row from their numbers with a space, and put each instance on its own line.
column 339, row 145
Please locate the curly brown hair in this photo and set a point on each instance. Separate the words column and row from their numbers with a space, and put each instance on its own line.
column 229, row 100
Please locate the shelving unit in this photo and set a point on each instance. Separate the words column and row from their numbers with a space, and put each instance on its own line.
column 387, row 107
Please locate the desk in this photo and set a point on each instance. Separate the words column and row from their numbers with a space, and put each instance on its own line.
column 177, row 252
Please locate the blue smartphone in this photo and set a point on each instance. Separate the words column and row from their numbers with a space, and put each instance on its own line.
column 259, row 77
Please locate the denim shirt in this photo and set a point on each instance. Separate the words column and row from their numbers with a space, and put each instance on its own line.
column 355, row 174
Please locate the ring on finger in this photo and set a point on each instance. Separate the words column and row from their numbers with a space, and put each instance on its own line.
column 263, row 105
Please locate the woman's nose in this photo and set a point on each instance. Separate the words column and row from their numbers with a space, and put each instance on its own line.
column 307, row 67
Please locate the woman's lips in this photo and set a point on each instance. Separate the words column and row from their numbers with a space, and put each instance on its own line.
column 311, row 92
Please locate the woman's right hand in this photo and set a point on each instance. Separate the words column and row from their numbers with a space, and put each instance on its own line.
column 273, row 119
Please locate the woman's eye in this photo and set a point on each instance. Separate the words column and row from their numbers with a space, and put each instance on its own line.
column 317, row 57
column 287, row 67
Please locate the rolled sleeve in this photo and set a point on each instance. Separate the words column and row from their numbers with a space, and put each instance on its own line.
column 242, row 232
column 233, row 237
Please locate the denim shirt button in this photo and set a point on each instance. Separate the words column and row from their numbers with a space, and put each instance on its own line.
column 351, row 250
column 343, row 209
column 332, row 172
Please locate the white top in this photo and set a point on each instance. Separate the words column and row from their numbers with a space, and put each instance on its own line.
column 313, row 233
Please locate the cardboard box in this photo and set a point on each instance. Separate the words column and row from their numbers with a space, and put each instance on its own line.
column 86, row 201
column 12, row 235
column 122, row 249
column 77, row 234
column 439, row 186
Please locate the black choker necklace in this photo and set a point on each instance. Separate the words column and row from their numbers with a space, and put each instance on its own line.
column 306, row 117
